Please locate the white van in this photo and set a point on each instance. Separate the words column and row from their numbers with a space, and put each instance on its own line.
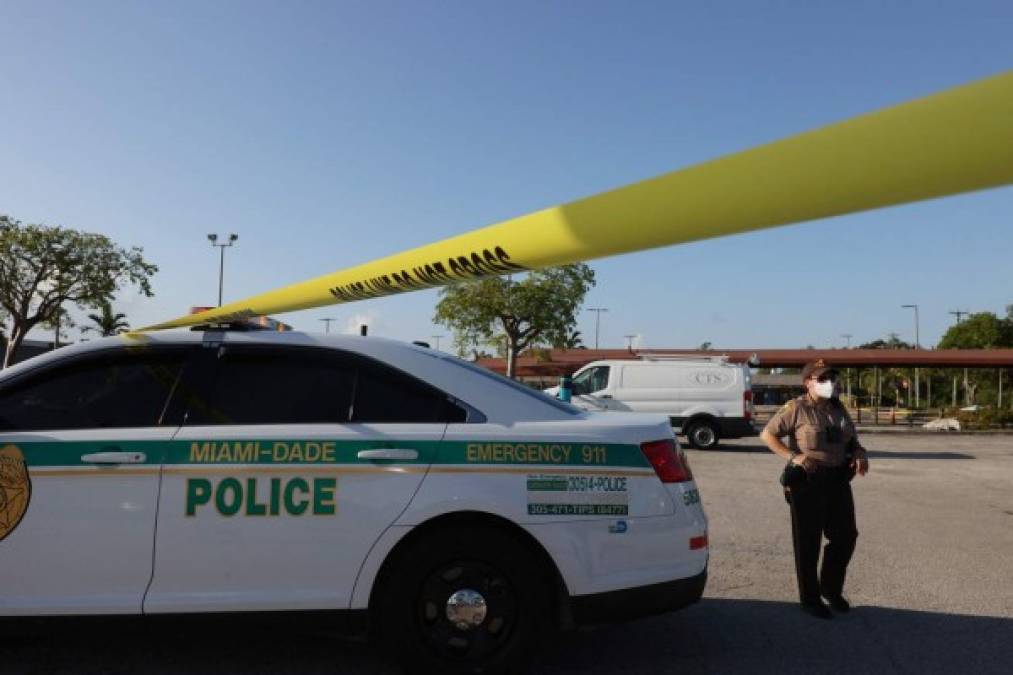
column 706, row 398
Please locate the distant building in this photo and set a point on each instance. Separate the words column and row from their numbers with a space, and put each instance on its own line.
column 27, row 349
column 776, row 389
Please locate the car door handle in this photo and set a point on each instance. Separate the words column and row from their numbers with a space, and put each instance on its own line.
column 605, row 396
column 114, row 457
column 389, row 453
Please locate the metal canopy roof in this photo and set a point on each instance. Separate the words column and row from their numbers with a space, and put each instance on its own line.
column 563, row 362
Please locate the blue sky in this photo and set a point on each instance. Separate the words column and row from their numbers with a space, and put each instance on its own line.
column 330, row 133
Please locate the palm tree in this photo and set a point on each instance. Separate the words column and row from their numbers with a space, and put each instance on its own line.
column 107, row 323
column 571, row 340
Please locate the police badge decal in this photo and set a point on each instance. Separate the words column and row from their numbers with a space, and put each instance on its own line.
column 15, row 489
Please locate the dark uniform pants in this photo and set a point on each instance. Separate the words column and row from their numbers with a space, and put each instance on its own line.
column 823, row 505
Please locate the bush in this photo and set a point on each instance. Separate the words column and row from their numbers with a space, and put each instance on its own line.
column 985, row 417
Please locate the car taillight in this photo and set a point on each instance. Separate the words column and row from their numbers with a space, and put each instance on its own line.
column 747, row 404
column 668, row 461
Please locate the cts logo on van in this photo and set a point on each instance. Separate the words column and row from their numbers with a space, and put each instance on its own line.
column 710, row 378
column 15, row 489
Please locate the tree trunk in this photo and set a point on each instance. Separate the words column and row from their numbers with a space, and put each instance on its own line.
column 13, row 342
column 511, row 358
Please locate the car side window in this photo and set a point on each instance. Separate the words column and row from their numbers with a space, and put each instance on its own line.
column 300, row 385
column 114, row 390
column 269, row 386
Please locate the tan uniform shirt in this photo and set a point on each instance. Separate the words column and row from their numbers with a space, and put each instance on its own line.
column 806, row 424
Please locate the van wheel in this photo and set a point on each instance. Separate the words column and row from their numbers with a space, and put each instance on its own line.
column 467, row 600
column 702, row 435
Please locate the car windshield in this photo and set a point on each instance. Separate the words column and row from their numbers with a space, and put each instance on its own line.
column 513, row 384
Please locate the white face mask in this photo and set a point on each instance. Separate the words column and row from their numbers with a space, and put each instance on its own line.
column 824, row 389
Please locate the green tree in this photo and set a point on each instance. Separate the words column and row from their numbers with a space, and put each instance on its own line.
column 539, row 309
column 107, row 323
column 891, row 342
column 983, row 330
column 43, row 268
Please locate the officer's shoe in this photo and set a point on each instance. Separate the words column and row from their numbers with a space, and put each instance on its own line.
column 838, row 603
column 817, row 609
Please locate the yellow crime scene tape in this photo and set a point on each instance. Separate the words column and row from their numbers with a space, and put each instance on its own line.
column 951, row 142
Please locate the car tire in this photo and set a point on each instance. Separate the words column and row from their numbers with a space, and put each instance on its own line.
column 413, row 618
column 702, row 435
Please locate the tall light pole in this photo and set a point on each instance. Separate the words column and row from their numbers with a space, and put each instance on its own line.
column 327, row 324
column 918, row 345
column 597, row 321
column 847, row 336
column 437, row 338
column 629, row 341
column 213, row 238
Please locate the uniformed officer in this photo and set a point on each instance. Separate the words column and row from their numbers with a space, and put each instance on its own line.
column 824, row 455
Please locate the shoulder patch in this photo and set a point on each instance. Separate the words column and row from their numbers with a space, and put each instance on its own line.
column 787, row 407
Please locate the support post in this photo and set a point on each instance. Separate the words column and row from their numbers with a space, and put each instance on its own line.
column 858, row 404
column 879, row 395
column 918, row 400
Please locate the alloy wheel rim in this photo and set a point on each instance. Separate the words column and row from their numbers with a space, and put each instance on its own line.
column 466, row 610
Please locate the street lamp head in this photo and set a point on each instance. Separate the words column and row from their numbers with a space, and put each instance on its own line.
column 233, row 237
column 212, row 238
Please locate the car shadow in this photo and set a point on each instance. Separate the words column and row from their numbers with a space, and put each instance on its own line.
column 211, row 644
column 756, row 636
column 714, row 636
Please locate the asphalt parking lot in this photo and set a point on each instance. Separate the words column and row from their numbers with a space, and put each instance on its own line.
column 931, row 582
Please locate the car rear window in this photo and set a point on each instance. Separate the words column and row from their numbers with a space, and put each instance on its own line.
column 387, row 395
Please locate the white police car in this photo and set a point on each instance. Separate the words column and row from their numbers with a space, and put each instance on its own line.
column 463, row 515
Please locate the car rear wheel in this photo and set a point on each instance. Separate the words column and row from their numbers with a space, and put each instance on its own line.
column 463, row 600
column 702, row 435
